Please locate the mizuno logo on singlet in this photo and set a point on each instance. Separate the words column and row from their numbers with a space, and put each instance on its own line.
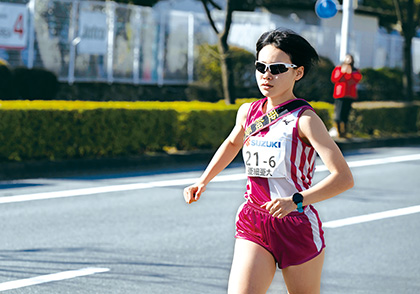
column 269, row 144
column 287, row 121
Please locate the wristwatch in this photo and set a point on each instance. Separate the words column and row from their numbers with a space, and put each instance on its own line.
column 298, row 199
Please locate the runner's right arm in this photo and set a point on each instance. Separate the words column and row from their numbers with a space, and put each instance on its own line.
column 221, row 159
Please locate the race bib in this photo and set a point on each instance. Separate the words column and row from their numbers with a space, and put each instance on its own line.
column 264, row 157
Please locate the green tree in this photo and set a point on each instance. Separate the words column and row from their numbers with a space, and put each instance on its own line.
column 228, row 82
column 225, row 54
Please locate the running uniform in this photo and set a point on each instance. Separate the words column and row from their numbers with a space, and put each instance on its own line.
column 278, row 164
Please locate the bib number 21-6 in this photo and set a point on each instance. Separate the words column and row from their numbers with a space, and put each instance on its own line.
column 264, row 158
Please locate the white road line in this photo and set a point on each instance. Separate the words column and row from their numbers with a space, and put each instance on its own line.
column 377, row 161
column 94, row 190
column 371, row 217
column 51, row 278
column 114, row 188
column 180, row 182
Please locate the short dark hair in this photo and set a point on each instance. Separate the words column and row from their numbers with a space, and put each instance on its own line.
column 299, row 50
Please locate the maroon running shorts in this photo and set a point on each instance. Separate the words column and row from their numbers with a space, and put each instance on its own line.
column 292, row 240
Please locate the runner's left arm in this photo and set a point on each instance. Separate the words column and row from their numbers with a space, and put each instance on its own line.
column 313, row 131
column 340, row 178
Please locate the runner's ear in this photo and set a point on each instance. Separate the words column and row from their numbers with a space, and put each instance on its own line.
column 299, row 73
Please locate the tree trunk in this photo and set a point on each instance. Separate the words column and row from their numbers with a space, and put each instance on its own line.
column 223, row 46
column 227, row 72
column 408, row 69
column 408, row 31
column 228, row 79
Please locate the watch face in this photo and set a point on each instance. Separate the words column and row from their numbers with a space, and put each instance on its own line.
column 297, row 197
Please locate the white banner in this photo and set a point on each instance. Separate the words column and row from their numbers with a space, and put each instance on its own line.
column 92, row 33
column 13, row 25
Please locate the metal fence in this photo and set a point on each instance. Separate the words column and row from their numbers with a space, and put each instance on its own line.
column 110, row 42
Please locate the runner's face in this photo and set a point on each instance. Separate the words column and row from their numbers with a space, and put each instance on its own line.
column 278, row 86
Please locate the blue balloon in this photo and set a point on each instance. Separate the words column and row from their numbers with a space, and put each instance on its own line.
column 325, row 8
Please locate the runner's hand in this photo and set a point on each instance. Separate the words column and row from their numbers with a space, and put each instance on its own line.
column 280, row 207
column 193, row 192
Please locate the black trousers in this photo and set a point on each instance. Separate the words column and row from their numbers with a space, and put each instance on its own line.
column 342, row 107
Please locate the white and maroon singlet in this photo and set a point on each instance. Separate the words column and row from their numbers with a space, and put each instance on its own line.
column 278, row 163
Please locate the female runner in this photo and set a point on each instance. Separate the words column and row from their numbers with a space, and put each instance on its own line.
column 280, row 135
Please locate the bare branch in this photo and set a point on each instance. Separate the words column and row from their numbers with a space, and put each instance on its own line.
column 397, row 5
column 228, row 19
column 215, row 5
column 213, row 25
column 211, row 51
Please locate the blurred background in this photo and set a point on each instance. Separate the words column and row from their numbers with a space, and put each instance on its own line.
column 171, row 44
column 168, row 70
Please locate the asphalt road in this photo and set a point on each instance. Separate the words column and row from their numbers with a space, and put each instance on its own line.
column 133, row 233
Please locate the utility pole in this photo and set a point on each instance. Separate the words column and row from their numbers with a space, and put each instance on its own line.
column 346, row 27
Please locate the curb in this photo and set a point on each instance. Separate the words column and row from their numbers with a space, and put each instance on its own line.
column 146, row 164
column 155, row 163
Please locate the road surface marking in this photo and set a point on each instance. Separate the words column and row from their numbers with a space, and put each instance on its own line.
column 371, row 217
column 51, row 278
column 113, row 188
column 377, row 161
column 91, row 191
column 179, row 182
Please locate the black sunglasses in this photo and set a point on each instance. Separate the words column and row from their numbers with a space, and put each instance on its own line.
column 274, row 68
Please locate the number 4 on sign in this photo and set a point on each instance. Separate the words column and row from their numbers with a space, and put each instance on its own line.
column 18, row 27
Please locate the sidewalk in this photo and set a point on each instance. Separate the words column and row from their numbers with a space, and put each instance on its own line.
column 152, row 163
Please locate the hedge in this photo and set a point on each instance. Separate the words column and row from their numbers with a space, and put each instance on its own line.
column 56, row 134
column 204, row 129
column 55, row 130
column 385, row 121
column 382, row 84
column 74, row 129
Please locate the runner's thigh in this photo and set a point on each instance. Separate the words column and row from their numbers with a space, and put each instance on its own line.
column 306, row 277
column 253, row 269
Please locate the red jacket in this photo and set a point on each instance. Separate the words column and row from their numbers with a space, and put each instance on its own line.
column 345, row 84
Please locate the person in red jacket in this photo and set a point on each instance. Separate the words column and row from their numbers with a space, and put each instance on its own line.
column 345, row 78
